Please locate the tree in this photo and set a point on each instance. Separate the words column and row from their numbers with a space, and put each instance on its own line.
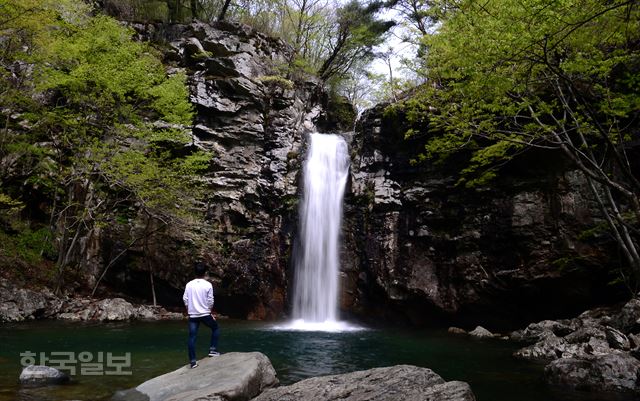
column 356, row 33
column 92, row 127
column 223, row 11
column 416, row 13
column 507, row 75
column 304, row 27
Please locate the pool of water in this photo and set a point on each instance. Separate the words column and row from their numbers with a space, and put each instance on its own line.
column 159, row 347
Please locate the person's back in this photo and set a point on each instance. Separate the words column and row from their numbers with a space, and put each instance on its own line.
column 198, row 299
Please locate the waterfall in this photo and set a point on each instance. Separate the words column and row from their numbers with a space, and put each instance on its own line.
column 315, row 297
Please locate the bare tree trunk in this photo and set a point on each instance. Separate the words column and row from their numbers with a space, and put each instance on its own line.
column 194, row 9
column 392, row 91
column 65, row 261
column 223, row 12
column 153, row 287
column 145, row 233
column 621, row 234
column 111, row 262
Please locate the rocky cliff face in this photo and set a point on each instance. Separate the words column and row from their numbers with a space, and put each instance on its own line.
column 420, row 248
column 416, row 247
column 254, row 122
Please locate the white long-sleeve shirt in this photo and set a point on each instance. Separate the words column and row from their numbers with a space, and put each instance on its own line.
column 198, row 297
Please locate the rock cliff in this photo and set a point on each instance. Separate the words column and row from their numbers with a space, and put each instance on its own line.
column 416, row 246
column 420, row 248
column 254, row 121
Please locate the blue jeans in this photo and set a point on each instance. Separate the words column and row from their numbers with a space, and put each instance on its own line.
column 194, row 323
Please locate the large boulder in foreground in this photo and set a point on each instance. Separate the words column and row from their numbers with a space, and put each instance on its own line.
column 395, row 383
column 39, row 375
column 602, row 373
column 236, row 376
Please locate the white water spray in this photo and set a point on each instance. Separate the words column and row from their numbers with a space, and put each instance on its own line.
column 315, row 302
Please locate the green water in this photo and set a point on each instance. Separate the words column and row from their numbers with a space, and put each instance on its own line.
column 158, row 347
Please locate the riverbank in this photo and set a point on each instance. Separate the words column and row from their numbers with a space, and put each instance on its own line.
column 19, row 304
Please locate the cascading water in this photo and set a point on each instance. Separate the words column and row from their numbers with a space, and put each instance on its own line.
column 315, row 302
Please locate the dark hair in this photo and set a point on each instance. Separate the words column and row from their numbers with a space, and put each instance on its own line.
column 200, row 269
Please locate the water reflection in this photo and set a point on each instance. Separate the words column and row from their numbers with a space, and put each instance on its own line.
column 306, row 354
column 494, row 375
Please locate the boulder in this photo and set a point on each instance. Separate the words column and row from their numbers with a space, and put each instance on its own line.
column 193, row 49
column 604, row 373
column 581, row 343
column 395, row 383
column 114, row 309
column 601, row 316
column 480, row 332
column 38, row 375
column 547, row 349
column 232, row 377
column 18, row 304
column 616, row 339
column 628, row 319
column 537, row 331
column 456, row 330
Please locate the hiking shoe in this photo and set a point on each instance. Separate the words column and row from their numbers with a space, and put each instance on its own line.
column 214, row 353
column 194, row 365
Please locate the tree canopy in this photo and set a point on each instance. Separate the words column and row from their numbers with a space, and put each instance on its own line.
column 328, row 38
column 508, row 75
column 86, row 112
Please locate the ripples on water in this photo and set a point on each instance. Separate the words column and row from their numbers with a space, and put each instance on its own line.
column 159, row 347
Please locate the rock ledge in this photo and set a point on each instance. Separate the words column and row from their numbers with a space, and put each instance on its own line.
column 236, row 376
column 394, row 383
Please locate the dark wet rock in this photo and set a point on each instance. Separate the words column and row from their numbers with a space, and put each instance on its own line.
column 584, row 334
column 583, row 342
column 617, row 339
column 594, row 356
column 18, row 304
column 38, row 375
column 548, row 348
column 602, row 373
column 480, row 332
column 193, row 50
column 234, row 376
column 395, row 383
column 112, row 309
column 628, row 320
column 255, row 122
column 601, row 316
column 536, row 331
column 487, row 254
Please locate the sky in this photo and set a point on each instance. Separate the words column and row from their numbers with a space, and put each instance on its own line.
column 396, row 45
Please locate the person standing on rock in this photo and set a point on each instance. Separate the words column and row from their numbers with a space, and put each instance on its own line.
column 198, row 299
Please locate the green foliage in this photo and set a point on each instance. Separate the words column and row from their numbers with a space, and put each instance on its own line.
column 165, row 137
column 517, row 74
column 96, row 66
column 8, row 204
column 276, row 80
column 28, row 245
column 169, row 100
column 141, row 10
column 356, row 32
column 95, row 129
column 196, row 163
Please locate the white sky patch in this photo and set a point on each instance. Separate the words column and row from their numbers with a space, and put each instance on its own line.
column 395, row 46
